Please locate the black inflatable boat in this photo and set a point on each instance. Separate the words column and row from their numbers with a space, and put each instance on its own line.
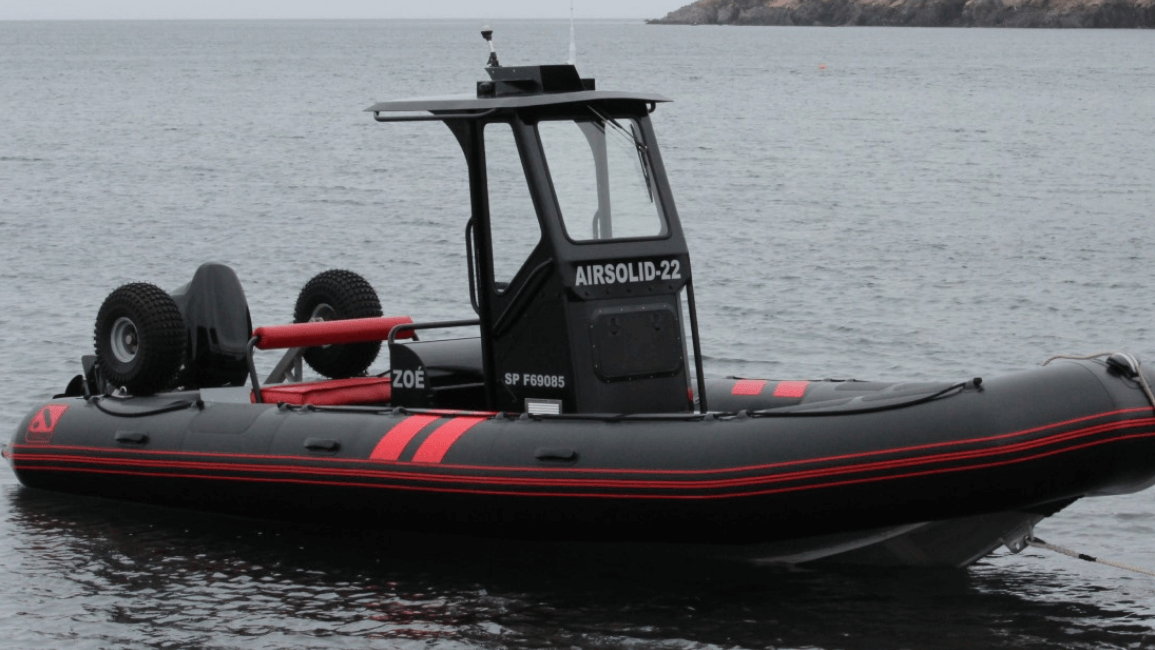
column 576, row 407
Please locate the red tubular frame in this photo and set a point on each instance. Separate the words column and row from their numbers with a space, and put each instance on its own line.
column 333, row 332
column 353, row 330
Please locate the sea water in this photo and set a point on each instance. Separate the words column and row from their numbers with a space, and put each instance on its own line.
column 871, row 203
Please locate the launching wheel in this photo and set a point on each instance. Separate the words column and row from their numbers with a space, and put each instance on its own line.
column 337, row 295
column 140, row 338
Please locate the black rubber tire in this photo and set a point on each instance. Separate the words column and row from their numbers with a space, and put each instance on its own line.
column 341, row 295
column 140, row 338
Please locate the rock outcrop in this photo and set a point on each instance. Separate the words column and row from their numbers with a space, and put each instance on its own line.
column 918, row 13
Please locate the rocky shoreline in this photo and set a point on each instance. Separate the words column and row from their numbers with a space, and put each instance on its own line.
column 919, row 13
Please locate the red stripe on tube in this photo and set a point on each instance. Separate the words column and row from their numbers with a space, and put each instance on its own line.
column 794, row 389
column 438, row 443
column 748, row 387
column 393, row 442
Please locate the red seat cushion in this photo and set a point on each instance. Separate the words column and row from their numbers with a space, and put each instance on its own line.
column 331, row 392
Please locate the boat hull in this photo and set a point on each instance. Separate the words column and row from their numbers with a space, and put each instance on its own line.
column 1024, row 444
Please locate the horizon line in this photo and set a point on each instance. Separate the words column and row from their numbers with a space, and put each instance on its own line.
column 302, row 18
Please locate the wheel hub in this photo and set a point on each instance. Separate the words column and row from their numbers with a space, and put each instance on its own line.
column 125, row 341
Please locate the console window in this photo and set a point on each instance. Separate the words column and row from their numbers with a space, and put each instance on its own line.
column 513, row 225
column 600, row 168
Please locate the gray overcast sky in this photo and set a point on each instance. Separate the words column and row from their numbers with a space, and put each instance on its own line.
column 484, row 9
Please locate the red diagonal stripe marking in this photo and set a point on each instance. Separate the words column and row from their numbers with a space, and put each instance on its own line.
column 438, row 443
column 393, row 442
column 748, row 387
column 794, row 389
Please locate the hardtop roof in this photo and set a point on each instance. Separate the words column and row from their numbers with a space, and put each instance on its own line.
column 468, row 103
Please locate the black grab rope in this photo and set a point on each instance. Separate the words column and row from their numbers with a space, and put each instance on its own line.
column 790, row 411
column 167, row 408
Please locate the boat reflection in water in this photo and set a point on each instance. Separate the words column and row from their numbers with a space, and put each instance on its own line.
column 207, row 580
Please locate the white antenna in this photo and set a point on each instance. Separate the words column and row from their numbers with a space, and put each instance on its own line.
column 487, row 34
column 572, row 43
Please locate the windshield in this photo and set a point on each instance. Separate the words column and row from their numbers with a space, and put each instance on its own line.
column 601, row 175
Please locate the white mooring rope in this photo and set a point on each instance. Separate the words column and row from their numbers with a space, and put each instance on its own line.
column 1072, row 357
column 1038, row 543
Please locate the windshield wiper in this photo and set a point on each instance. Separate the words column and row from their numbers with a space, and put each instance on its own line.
column 640, row 146
column 633, row 137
